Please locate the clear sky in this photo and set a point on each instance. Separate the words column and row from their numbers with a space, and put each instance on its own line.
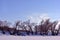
column 12, row 10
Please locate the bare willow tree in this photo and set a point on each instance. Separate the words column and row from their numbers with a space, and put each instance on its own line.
column 44, row 27
column 27, row 27
column 4, row 26
column 53, row 28
column 16, row 26
column 19, row 27
column 1, row 28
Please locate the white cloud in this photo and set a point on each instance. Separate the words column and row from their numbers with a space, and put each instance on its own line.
column 44, row 16
column 36, row 18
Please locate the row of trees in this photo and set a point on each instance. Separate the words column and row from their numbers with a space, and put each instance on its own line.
column 18, row 27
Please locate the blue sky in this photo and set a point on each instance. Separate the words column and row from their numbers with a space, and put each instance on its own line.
column 12, row 10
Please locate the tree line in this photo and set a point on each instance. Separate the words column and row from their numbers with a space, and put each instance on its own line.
column 26, row 27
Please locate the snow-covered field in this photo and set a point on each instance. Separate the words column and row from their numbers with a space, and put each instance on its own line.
column 29, row 37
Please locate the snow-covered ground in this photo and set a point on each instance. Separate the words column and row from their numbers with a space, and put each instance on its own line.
column 29, row 37
column 7, row 36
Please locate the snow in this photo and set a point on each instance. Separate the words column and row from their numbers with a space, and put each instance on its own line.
column 57, row 26
column 29, row 37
